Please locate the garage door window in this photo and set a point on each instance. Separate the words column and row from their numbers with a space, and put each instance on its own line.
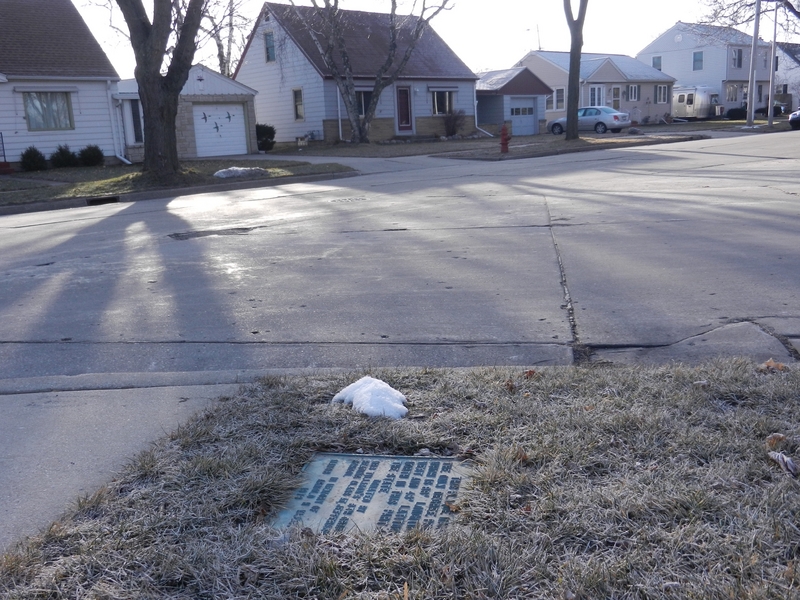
column 521, row 111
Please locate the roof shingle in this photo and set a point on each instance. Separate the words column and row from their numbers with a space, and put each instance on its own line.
column 367, row 39
column 48, row 38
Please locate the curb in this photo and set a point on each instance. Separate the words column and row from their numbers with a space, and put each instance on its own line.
column 16, row 209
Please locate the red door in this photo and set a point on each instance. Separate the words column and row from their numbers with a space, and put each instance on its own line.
column 404, row 109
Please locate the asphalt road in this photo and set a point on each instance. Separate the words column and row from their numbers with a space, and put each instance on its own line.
column 116, row 321
column 449, row 263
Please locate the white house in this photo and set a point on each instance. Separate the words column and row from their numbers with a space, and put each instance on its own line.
column 614, row 80
column 216, row 117
column 709, row 55
column 56, row 83
column 298, row 96
column 787, row 75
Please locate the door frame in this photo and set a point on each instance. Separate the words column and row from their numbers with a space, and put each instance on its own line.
column 404, row 127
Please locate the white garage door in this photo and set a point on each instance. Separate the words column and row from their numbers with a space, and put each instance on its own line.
column 523, row 116
column 219, row 129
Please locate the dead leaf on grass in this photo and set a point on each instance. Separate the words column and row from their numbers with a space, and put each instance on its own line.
column 530, row 374
column 772, row 366
column 785, row 462
column 509, row 385
column 773, row 440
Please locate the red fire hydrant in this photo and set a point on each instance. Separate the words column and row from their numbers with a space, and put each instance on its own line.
column 504, row 139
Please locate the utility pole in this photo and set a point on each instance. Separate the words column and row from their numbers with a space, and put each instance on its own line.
column 771, row 107
column 751, row 84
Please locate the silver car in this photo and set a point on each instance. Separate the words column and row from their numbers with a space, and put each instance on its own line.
column 597, row 118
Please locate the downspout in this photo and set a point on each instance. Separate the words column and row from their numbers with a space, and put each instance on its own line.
column 339, row 111
column 114, row 125
column 475, row 96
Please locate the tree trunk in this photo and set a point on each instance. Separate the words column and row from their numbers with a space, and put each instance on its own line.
column 160, row 138
column 574, row 81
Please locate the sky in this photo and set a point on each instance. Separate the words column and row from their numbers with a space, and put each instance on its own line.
column 485, row 34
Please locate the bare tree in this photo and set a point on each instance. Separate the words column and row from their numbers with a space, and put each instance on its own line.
column 161, row 71
column 734, row 13
column 574, row 82
column 328, row 28
column 226, row 25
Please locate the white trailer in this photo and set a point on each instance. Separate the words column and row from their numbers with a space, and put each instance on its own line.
column 696, row 102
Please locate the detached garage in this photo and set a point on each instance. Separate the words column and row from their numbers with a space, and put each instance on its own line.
column 216, row 117
column 512, row 96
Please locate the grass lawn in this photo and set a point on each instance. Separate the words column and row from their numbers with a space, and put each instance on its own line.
column 589, row 483
column 532, row 145
column 77, row 182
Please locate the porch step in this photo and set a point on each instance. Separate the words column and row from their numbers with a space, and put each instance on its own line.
column 5, row 168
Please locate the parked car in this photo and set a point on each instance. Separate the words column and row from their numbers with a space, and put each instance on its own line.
column 597, row 118
column 794, row 119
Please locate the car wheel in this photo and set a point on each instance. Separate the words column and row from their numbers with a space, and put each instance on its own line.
column 600, row 128
column 557, row 129
column 794, row 125
column 616, row 130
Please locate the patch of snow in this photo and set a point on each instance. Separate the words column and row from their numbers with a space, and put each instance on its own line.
column 373, row 397
column 238, row 171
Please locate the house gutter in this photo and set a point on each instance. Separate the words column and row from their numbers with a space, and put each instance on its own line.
column 475, row 104
column 339, row 111
column 114, row 125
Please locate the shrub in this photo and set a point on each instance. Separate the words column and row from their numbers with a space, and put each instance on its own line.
column 737, row 114
column 32, row 160
column 453, row 121
column 63, row 157
column 265, row 136
column 91, row 156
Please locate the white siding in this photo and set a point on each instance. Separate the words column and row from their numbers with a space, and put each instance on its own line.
column 275, row 82
column 91, row 117
column 677, row 46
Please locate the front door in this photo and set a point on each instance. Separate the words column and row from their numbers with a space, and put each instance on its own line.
column 615, row 94
column 404, row 109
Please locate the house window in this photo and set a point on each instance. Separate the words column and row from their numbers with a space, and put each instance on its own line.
column 556, row 101
column 760, row 93
column 661, row 94
column 657, row 62
column 136, row 116
column 362, row 100
column 269, row 46
column 737, row 58
column 48, row 110
column 299, row 111
column 442, row 102
column 731, row 92
column 596, row 95
column 697, row 61
column 633, row 93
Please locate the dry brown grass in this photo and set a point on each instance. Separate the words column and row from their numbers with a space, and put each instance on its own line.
column 589, row 483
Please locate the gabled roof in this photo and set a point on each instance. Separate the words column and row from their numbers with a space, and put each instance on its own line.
column 218, row 84
column 48, row 38
column 719, row 34
column 518, row 80
column 629, row 68
column 366, row 37
column 791, row 50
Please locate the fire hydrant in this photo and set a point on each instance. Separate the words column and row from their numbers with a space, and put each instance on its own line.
column 504, row 139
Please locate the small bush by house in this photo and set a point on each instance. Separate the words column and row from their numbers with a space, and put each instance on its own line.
column 91, row 156
column 63, row 157
column 32, row 159
column 265, row 136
